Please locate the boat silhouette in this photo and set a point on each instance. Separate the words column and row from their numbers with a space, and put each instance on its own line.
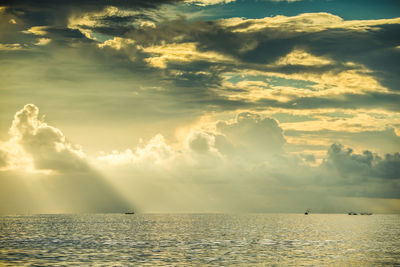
column 130, row 212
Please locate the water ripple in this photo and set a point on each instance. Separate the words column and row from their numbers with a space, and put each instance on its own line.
column 199, row 239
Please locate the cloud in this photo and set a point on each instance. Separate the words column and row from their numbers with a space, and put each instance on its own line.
column 37, row 30
column 208, row 2
column 242, row 163
column 140, row 62
column 243, row 166
column 349, row 164
column 197, row 149
column 200, row 142
column 60, row 20
column 43, row 41
column 247, row 137
column 180, row 53
column 350, row 133
column 117, row 43
column 297, row 49
column 306, row 22
column 59, row 176
column 11, row 47
column 86, row 21
column 253, row 136
column 289, row 1
column 156, row 151
column 46, row 145
column 3, row 159
column 204, row 67
column 316, row 48
column 301, row 57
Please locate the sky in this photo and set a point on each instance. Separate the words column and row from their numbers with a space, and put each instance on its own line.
column 199, row 106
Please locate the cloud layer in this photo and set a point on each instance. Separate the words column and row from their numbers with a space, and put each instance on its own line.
column 46, row 145
column 245, row 159
column 39, row 165
column 236, row 165
column 233, row 105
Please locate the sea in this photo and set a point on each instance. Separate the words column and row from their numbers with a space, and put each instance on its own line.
column 200, row 240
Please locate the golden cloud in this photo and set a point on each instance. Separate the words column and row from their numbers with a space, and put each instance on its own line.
column 37, row 30
column 180, row 52
column 306, row 22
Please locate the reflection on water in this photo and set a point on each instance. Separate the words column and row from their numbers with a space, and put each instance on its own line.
column 200, row 239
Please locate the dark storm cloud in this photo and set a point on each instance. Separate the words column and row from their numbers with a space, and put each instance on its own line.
column 49, row 10
column 64, row 33
column 84, row 4
column 344, row 172
column 56, row 14
column 387, row 101
column 196, row 80
column 373, row 47
column 363, row 166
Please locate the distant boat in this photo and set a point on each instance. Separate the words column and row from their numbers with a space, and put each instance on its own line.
column 365, row 213
column 131, row 212
column 307, row 212
column 352, row 213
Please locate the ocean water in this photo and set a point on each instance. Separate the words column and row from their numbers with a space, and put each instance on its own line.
column 200, row 240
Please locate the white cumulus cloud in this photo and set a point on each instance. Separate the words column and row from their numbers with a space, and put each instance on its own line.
column 40, row 146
